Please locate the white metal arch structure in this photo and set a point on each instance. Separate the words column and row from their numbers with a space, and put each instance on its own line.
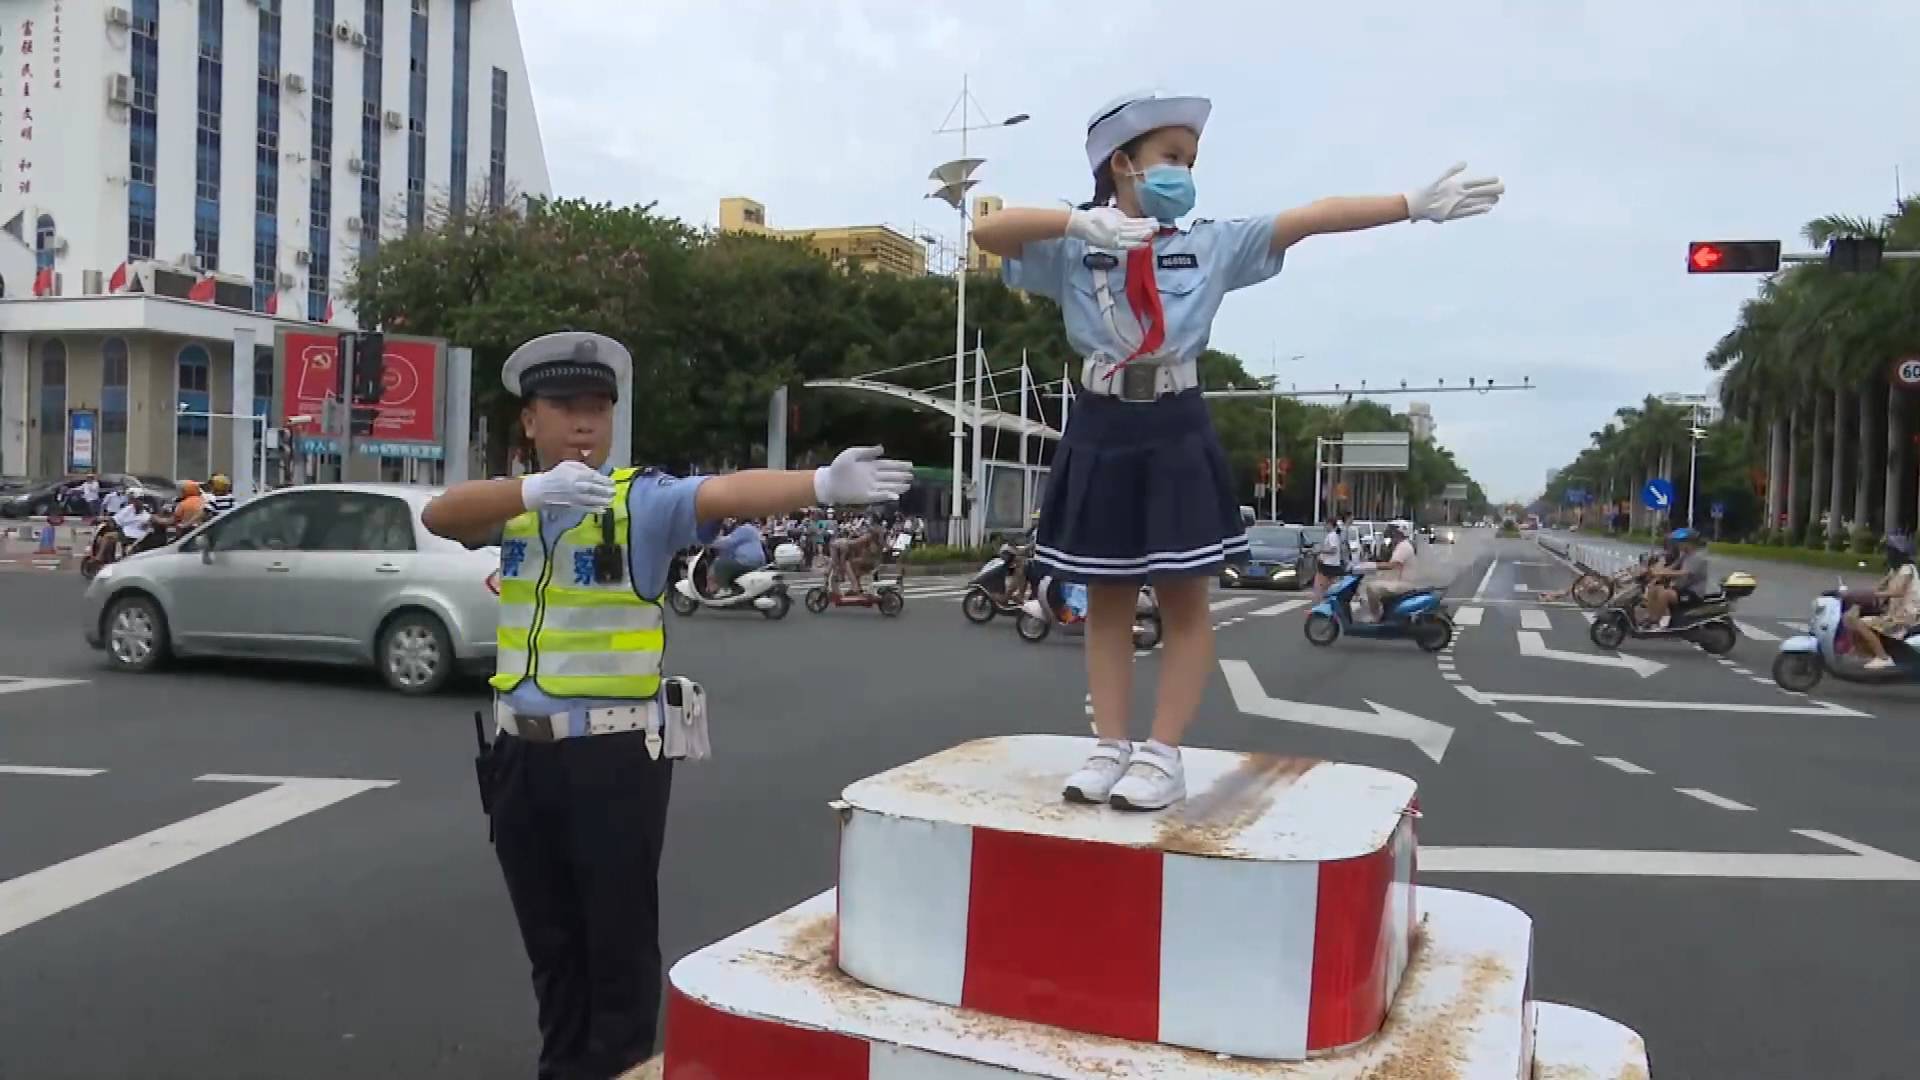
column 984, row 417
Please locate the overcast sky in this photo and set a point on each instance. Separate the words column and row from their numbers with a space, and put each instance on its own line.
column 1622, row 128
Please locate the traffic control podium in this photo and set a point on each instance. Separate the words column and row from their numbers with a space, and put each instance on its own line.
column 1269, row 926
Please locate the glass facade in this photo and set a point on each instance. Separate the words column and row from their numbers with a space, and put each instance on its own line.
column 206, row 165
column 266, row 159
column 53, row 408
column 417, row 116
column 111, row 456
column 191, row 449
column 462, row 50
column 143, row 130
column 43, row 236
column 370, row 130
column 497, row 152
column 320, row 190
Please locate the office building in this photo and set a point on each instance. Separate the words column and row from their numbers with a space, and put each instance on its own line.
column 979, row 261
column 871, row 248
column 1420, row 421
column 176, row 172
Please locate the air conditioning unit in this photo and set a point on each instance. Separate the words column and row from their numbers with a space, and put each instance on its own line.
column 296, row 83
column 353, row 224
column 392, row 120
column 344, row 31
column 120, row 89
column 119, row 16
column 283, row 281
column 302, row 258
column 353, row 164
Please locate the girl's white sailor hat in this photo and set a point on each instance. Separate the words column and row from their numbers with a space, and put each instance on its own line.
column 567, row 363
column 1130, row 116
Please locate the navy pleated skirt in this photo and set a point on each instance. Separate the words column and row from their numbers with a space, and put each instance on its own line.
column 1138, row 491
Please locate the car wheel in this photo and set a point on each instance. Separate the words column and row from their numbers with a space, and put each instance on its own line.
column 415, row 653
column 136, row 633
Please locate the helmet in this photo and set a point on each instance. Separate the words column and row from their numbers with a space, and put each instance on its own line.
column 220, row 484
column 1687, row 536
column 188, row 489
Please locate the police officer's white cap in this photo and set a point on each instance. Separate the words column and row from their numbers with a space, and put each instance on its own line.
column 1130, row 116
column 569, row 362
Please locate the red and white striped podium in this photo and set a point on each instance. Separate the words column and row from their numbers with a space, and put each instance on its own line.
column 984, row 929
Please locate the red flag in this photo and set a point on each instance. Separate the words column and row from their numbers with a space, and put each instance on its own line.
column 202, row 290
column 329, row 317
column 43, row 281
column 273, row 303
column 119, row 279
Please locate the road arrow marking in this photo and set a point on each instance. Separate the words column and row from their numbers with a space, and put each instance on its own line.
column 1823, row 708
column 1862, row 864
column 1755, row 633
column 1532, row 644
column 1231, row 601
column 1534, row 619
column 1385, row 721
column 47, row 770
column 11, row 685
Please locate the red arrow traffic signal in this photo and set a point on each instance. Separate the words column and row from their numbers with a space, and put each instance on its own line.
column 1733, row 256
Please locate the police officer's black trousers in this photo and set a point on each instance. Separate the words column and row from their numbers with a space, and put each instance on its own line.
column 578, row 826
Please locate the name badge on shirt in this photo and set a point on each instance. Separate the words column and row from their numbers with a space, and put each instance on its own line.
column 1178, row 262
column 1099, row 260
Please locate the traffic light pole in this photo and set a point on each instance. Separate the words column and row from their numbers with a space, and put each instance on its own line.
column 348, row 349
column 1821, row 256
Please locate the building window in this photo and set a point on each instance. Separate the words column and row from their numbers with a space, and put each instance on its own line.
column 143, row 131
column 320, row 190
column 497, row 144
column 112, row 455
column 206, row 170
column 417, row 117
column 191, row 450
column 266, row 159
column 53, row 408
column 43, row 234
column 462, row 49
column 370, row 129
column 263, row 380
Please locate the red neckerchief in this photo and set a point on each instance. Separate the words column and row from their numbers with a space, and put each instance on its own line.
column 1143, row 296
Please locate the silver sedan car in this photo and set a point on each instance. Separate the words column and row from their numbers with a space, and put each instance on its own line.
column 337, row 573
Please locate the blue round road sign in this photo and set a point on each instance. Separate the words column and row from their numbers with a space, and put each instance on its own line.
column 1658, row 494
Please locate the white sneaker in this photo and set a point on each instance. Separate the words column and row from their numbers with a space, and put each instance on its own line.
column 1094, row 781
column 1879, row 663
column 1154, row 781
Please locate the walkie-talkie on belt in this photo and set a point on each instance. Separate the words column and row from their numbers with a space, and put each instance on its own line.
column 609, row 558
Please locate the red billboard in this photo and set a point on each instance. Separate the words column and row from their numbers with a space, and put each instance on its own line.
column 409, row 403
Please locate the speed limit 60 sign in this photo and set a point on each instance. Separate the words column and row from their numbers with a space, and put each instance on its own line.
column 1906, row 373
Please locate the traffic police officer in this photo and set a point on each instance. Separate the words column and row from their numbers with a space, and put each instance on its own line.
column 575, row 782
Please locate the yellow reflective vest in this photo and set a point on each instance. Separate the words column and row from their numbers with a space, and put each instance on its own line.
column 572, row 636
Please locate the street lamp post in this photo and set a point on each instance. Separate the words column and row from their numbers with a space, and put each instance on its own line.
column 1694, row 434
column 955, row 178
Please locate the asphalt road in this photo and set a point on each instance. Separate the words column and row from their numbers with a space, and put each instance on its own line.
column 368, row 935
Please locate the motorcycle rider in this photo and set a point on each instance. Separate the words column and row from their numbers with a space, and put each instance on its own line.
column 134, row 519
column 1677, row 581
column 222, row 500
column 738, row 551
column 1899, row 593
column 1391, row 578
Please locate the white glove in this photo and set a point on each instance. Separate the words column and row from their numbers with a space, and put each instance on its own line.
column 572, row 485
column 1109, row 227
column 1450, row 198
column 860, row 476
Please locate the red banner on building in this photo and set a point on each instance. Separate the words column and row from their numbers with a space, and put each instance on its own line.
column 409, row 405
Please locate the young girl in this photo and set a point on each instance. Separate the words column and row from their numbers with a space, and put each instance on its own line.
column 1140, row 488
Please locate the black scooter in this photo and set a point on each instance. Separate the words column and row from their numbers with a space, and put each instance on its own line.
column 1000, row 588
column 1707, row 622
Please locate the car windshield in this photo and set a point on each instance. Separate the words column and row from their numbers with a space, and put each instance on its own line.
column 1274, row 536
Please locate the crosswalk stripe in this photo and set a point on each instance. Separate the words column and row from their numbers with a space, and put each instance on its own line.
column 1281, row 608
column 1521, row 586
column 1755, row 632
column 1534, row 619
column 1468, row 616
column 1228, row 602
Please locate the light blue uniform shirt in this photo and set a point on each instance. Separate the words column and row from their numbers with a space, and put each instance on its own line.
column 742, row 545
column 1194, row 269
column 660, row 521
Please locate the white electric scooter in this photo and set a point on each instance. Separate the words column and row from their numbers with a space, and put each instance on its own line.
column 763, row 590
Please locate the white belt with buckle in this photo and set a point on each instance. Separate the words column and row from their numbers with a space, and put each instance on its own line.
column 612, row 720
column 1141, row 380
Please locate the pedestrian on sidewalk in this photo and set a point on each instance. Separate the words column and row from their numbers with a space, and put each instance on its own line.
column 1142, row 491
column 576, row 782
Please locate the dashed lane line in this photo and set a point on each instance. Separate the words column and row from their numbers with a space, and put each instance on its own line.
column 1556, row 737
column 1711, row 799
column 1623, row 765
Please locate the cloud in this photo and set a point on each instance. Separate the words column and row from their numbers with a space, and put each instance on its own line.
column 1623, row 129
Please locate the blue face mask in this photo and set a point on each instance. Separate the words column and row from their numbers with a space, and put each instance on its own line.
column 1165, row 191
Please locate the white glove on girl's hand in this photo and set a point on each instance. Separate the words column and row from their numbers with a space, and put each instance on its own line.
column 860, row 476
column 1451, row 198
column 569, row 485
column 1110, row 227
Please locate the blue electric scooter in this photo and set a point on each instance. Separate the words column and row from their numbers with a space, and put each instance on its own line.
column 1418, row 615
column 1827, row 648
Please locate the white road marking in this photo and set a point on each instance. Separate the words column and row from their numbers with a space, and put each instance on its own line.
column 47, row 770
column 1624, row 765
column 1535, row 619
column 1384, row 720
column 1755, row 632
column 1761, row 679
column 1450, row 676
column 1862, row 863
column 1513, row 718
column 27, row 899
column 1230, row 601
column 1556, row 737
column 1738, row 670
column 1824, row 708
column 1587, row 615
column 1521, row 586
column 11, row 685
column 1711, row 799
column 1532, row 644
column 1468, row 616
column 1281, row 608
column 1485, row 578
